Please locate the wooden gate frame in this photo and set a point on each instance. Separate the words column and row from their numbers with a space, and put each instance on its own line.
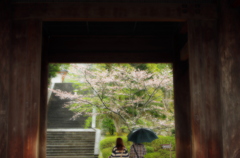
column 209, row 96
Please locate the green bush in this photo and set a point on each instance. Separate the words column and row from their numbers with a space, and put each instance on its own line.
column 152, row 155
column 149, row 149
column 108, row 126
column 156, row 144
column 106, row 152
column 164, row 153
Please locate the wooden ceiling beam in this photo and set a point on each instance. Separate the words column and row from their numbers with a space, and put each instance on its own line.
column 113, row 11
column 109, row 43
column 236, row 3
column 112, row 57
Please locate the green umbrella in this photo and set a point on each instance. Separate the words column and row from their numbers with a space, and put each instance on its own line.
column 141, row 135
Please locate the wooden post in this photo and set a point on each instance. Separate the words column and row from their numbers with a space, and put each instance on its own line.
column 182, row 108
column 229, row 48
column 204, row 88
column 44, row 93
column 5, row 40
column 25, row 89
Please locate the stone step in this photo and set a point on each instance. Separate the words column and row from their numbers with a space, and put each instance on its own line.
column 69, row 152
column 58, row 153
column 87, row 143
column 67, row 143
column 70, row 136
column 63, row 147
column 89, row 156
column 59, row 116
column 72, row 150
column 73, row 154
column 88, row 138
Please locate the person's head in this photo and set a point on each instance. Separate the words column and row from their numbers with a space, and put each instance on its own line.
column 119, row 143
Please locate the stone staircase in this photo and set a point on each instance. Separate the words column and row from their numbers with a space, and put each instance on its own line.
column 66, row 138
column 58, row 116
column 70, row 143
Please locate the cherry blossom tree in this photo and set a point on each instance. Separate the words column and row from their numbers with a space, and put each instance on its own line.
column 132, row 98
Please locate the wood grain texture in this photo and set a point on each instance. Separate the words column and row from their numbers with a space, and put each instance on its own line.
column 34, row 42
column 182, row 109
column 44, row 93
column 109, row 49
column 122, row 43
column 113, row 11
column 25, row 89
column 17, row 86
column 204, row 88
column 111, row 57
column 236, row 3
column 5, row 40
column 230, row 74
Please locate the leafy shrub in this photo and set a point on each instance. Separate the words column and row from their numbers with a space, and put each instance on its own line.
column 152, row 155
column 163, row 153
column 106, row 152
column 88, row 122
column 149, row 149
column 156, row 144
column 108, row 125
column 107, row 143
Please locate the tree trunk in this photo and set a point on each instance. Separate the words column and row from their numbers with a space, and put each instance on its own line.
column 117, row 123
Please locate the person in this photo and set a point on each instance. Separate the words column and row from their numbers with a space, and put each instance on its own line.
column 119, row 151
column 139, row 148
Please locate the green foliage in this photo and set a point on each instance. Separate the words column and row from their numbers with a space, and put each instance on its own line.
column 162, row 154
column 151, row 67
column 173, row 132
column 162, row 140
column 149, row 149
column 153, row 155
column 107, row 152
column 108, row 125
column 54, row 68
column 108, row 142
column 88, row 122
column 139, row 66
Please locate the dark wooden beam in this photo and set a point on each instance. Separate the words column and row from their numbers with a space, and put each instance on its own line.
column 229, row 48
column 109, row 43
column 5, row 54
column 111, row 57
column 236, row 3
column 113, row 11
